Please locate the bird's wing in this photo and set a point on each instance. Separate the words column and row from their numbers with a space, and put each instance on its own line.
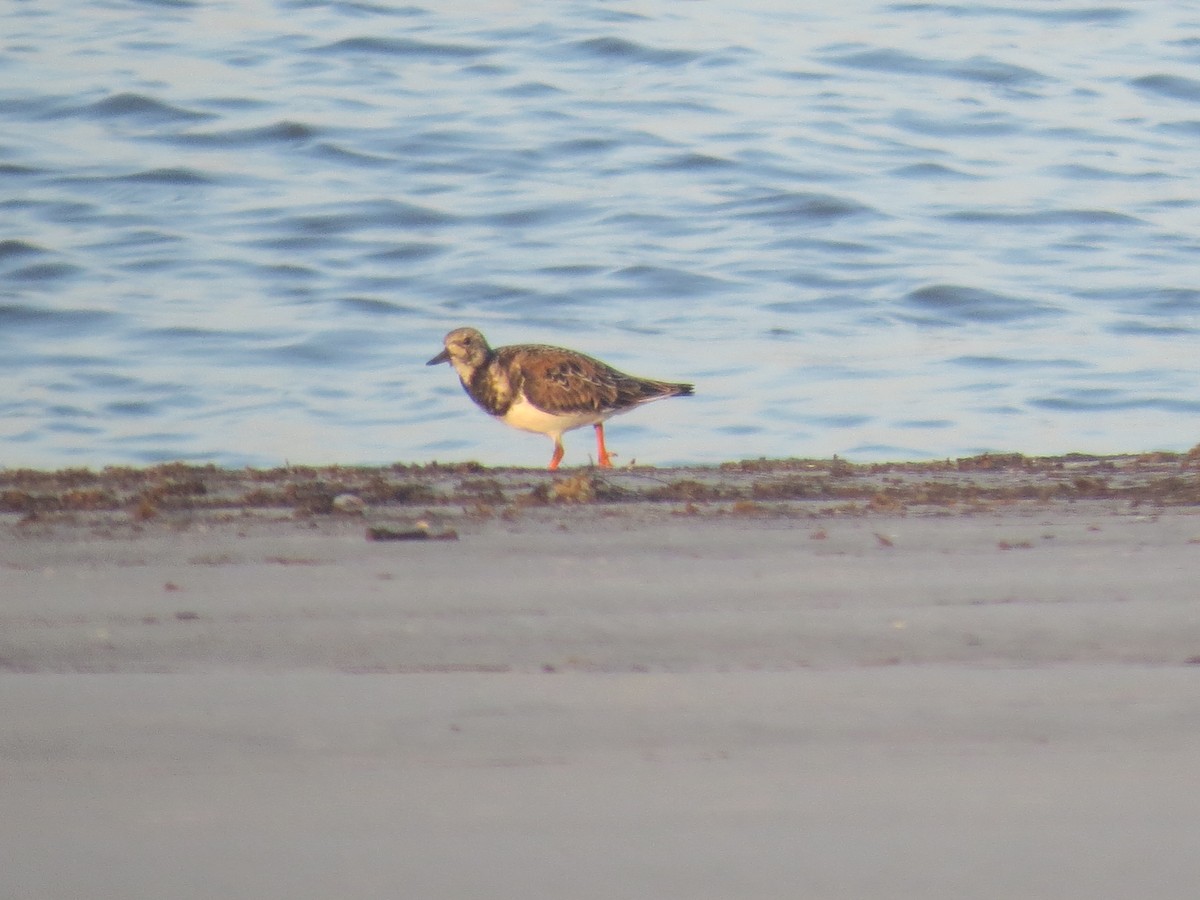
column 562, row 381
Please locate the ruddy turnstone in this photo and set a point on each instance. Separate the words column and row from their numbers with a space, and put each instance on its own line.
column 547, row 390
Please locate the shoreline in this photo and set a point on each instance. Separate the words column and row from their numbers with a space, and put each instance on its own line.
column 748, row 486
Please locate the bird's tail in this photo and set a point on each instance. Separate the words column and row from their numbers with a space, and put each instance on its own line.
column 661, row 390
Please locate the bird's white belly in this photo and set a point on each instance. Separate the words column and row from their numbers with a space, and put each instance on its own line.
column 527, row 417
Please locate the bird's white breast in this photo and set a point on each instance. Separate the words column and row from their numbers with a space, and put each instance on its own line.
column 527, row 417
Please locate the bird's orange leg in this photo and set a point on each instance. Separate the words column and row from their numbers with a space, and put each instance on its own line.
column 558, row 454
column 601, row 450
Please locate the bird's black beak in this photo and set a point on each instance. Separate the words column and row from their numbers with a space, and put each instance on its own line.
column 442, row 357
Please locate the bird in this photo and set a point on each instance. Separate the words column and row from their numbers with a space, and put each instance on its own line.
column 548, row 390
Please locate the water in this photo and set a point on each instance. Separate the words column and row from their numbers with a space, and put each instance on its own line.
column 234, row 231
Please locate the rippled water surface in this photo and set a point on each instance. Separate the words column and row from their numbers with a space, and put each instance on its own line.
column 235, row 231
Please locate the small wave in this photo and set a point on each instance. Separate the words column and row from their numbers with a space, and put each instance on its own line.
column 531, row 89
column 61, row 211
column 176, row 177
column 1174, row 301
column 410, row 250
column 1154, row 301
column 14, row 249
column 986, row 124
column 1047, row 217
column 954, row 304
column 133, row 408
column 629, row 51
column 1107, row 399
column 43, row 271
column 68, row 411
column 886, row 60
column 358, row 8
column 691, row 162
column 19, row 315
column 295, row 243
column 1135, row 327
column 584, row 146
column 282, row 132
column 134, row 105
column 1175, row 87
column 796, row 205
column 137, row 239
column 930, row 171
column 1097, row 14
column 338, row 154
column 1191, row 127
column 805, row 244
column 890, row 451
column 22, row 359
column 448, row 445
column 376, row 307
column 342, row 348
column 828, row 303
column 1078, row 172
column 372, row 214
column 1008, row 362
column 173, row 176
column 844, row 420
column 538, row 215
column 16, row 170
column 983, row 69
column 76, row 428
column 739, row 430
column 402, row 47
column 671, row 282
column 804, row 75
column 578, row 270
column 191, row 333
column 492, row 293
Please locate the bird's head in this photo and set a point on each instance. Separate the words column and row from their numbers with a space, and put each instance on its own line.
column 466, row 349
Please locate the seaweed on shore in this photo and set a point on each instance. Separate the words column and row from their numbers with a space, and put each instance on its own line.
column 1159, row 479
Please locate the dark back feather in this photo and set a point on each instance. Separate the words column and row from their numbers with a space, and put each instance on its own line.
column 563, row 381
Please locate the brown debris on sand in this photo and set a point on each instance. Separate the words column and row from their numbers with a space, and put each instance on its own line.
column 782, row 486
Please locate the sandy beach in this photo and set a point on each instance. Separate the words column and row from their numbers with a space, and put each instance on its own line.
column 977, row 678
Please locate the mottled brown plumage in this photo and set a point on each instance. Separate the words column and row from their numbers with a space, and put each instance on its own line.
column 548, row 390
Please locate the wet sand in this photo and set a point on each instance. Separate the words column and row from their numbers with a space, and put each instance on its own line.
column 979, row 678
